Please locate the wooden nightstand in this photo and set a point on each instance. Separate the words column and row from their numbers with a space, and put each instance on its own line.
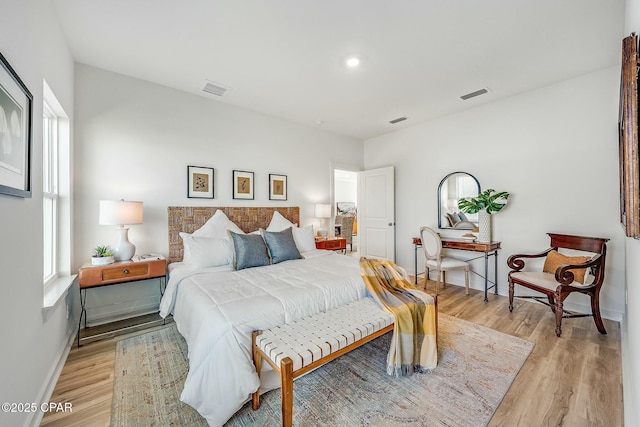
column 118, row 273
column 337, row 244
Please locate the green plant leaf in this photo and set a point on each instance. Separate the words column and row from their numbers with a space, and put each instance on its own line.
column 492, row 203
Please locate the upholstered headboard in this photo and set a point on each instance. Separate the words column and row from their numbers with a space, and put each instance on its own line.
column 189, row 219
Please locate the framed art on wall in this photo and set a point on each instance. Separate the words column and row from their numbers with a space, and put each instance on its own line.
column 15, row 133
column 277, row 187
column 629, row 158
column 200, row 182
column 242, row 185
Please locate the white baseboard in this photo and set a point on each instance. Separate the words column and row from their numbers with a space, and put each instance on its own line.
column 114, row 312
column 45, row 393
column 629, row 392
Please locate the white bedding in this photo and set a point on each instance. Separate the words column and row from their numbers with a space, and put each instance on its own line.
column 216, row 309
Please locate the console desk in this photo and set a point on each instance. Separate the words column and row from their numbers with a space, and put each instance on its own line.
column 488, row 249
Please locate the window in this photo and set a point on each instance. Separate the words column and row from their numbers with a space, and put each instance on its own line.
column 56, row 199
column 50, row 192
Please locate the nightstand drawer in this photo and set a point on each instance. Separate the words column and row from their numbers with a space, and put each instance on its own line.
column 121, row 272
column 333, row 244
column 128, row 271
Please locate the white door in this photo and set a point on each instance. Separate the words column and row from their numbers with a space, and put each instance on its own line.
column 376, row 213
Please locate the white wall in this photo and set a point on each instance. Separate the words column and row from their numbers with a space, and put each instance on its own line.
column 134, row 140
column 554, row 149
column 346, row 186
column 33, row 340
column 630, row 331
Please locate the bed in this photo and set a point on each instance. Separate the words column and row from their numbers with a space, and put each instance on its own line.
column 216, row 308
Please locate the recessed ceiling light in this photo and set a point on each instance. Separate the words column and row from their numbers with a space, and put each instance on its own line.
column 352, row 61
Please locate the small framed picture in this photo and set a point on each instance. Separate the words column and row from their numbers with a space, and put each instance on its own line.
column 277, row 187
column 242, row 185
column 200, row 182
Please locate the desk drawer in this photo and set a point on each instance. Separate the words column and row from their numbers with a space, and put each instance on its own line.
column 128, row 271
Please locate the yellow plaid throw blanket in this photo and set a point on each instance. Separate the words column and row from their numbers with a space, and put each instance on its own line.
column 413, row 346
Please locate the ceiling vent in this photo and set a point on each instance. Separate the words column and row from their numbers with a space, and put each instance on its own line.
column 399, row 119
column 214, row 88
column 474, row 94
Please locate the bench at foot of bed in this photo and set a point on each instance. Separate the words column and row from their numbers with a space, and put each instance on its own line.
column 306, row 344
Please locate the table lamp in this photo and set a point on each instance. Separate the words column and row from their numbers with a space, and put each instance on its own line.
column 121, row 213
column 323, row 211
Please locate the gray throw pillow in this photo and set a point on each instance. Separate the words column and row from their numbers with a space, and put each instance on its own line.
column 462, row 216
column 249, row 251
column 281, row 245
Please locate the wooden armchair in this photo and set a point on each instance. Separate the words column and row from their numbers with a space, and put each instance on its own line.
column 563, row 275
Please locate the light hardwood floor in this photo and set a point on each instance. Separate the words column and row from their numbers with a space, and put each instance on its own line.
column 575, row 380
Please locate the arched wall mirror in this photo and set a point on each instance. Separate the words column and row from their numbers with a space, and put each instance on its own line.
column 452, row 188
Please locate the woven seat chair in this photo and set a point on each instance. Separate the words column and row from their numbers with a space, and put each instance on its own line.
column 346, row 228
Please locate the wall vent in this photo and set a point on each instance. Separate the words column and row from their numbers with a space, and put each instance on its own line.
column 399, row 119
column 214, row 88
column 474, row 94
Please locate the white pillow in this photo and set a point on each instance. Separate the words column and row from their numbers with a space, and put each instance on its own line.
column 202, row 251
column 279, row 222
column 305, row 241
column 217, row 227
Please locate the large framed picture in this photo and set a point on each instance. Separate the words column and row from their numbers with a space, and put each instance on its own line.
column 243, row 185
column 277, row 187
column 200, row 182
column 628, row 139
column 16, row 110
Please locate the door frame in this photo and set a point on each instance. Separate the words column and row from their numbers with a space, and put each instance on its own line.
column 332, row 197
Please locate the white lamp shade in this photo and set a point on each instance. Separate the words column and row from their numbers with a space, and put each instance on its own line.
column 323, row 210
column 119, row 212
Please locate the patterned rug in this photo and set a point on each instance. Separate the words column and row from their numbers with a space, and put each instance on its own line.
column 476, row 368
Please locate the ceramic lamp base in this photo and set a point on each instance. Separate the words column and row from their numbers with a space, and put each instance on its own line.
column 124, row 249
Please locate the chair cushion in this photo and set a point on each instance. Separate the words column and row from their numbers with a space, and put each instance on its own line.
column 544, row 280
column 556, row 259
column 447, row 263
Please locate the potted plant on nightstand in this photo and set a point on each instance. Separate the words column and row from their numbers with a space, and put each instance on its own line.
column 486, row 203
column 102, row 255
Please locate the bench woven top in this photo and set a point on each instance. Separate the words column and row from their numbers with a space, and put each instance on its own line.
column 311, row 338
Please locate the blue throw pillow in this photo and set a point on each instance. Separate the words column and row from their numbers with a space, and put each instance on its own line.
column 281, row 245
column 249, row 251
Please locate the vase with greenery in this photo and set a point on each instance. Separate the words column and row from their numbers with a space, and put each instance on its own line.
column 485, row 204
column 102, row 255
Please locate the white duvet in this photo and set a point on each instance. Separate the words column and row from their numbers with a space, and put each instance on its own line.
column 216, row 310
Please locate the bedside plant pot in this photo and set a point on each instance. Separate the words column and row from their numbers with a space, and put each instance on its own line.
column 101, row 260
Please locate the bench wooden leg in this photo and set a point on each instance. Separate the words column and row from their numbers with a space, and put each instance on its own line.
column 257, row 362
column 286, row 383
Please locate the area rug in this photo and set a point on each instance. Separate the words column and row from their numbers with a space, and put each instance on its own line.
column 475, row 370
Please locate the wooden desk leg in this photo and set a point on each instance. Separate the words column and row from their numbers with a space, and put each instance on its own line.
column 286, row 383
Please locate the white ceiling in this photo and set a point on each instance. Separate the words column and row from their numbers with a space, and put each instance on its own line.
column 284, row 57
